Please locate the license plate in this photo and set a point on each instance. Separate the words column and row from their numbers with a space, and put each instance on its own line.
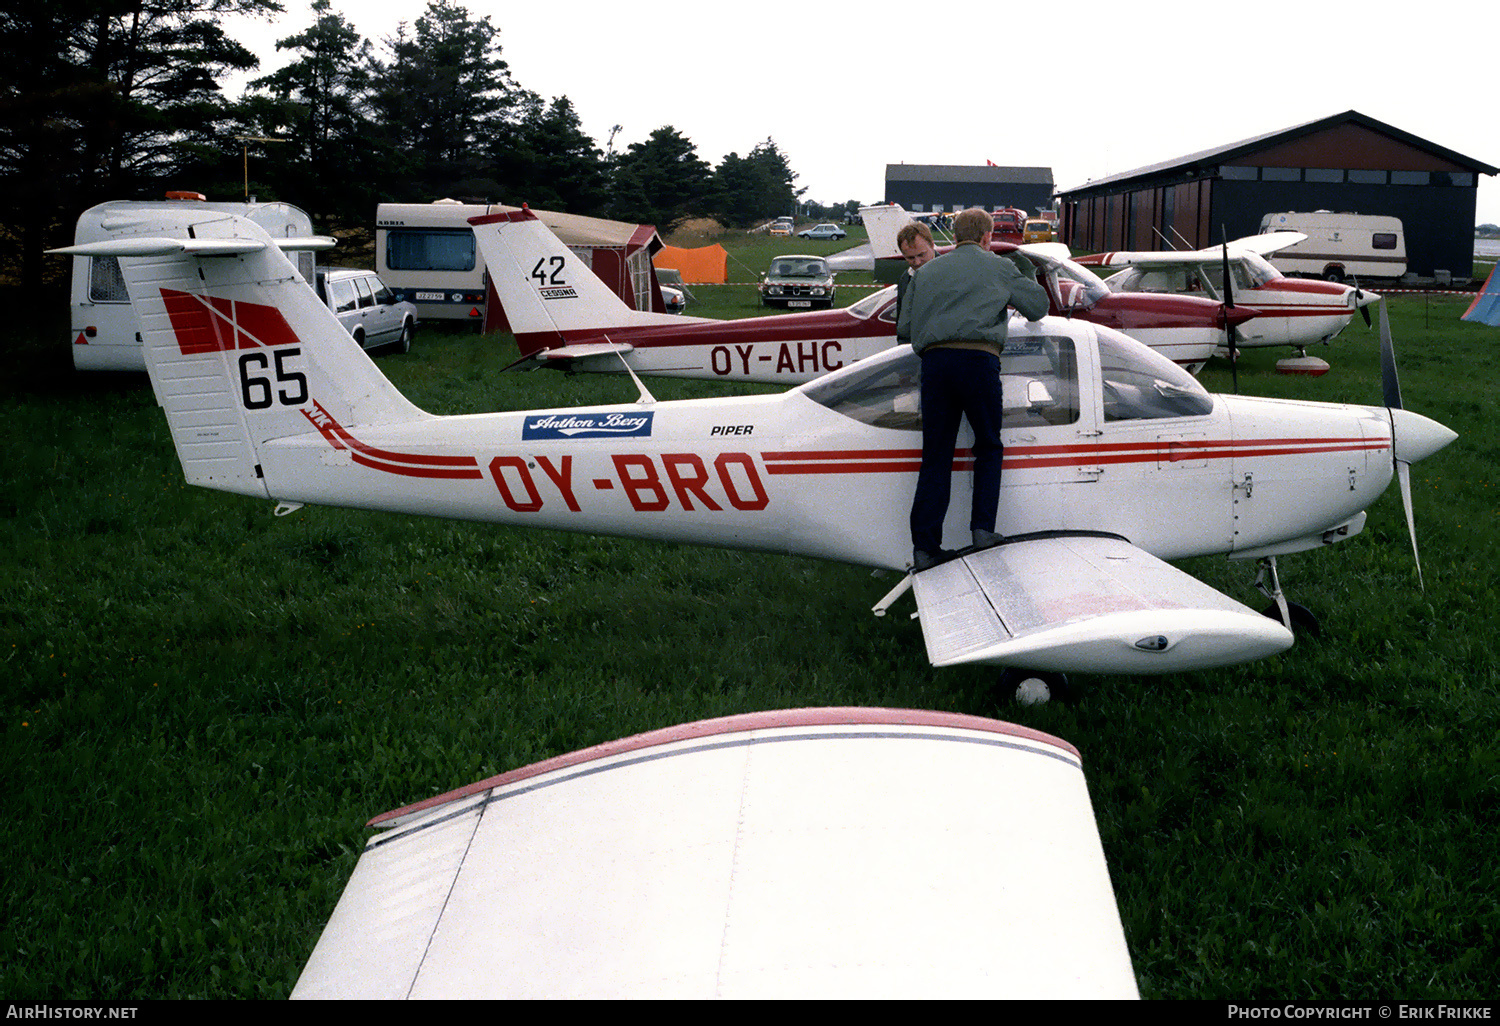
column 799, row 302
column 431, row 297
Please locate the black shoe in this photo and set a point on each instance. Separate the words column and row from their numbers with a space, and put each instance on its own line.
column 987, row 539
column 924, row 560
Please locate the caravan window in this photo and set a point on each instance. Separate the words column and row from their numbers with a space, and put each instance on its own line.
column 1383, row 240
column 433, row 249
column 106, row 283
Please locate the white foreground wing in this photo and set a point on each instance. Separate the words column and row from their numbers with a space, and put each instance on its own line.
column 811, row 853
column 1085, row 604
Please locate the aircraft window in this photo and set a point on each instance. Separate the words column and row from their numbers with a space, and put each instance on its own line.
column 1039, row 375
column 1259, row 269
column 871, row 303
column 1142, row 385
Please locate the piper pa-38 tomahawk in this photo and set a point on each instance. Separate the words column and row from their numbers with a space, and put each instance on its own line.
column 1116, row 460
column 564, row 316
column 1185, row 329
column 1296, row 312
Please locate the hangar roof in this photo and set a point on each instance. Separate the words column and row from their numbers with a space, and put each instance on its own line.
column 1232, row 151
column 968, row 173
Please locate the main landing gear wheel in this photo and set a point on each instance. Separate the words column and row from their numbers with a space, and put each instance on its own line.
column 1294, row 617
column 1033, row 687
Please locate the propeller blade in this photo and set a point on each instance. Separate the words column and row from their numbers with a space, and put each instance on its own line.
column 1229, row 329
column 1403, row 478
column 1359, row 296
column 1391, row 386
column 1389, row 382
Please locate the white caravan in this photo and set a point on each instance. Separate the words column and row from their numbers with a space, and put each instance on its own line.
column 105, row 332
column 1340, row 245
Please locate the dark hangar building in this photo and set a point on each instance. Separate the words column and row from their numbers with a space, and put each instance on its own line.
column 932, row 188
column 1346, row 163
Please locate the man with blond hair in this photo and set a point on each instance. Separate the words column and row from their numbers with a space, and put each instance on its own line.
column 954, row 314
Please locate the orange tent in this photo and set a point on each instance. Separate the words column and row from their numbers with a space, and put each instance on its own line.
column 704, row 265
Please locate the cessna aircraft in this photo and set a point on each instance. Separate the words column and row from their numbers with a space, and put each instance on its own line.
column 563, row 316
column 1294, row 312
column 784, row 854
column 1116, row 460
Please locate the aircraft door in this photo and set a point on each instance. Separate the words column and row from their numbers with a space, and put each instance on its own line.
column 1163, row 447
column 1050, row 428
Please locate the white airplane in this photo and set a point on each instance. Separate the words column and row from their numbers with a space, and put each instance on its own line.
column 1116, row 460
column 562, row 315
column 803, row 853
column 1295, row 312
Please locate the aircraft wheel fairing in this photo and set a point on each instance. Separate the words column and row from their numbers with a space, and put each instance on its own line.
column 1303, row 619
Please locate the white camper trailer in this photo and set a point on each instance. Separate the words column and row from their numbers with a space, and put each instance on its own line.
column 425, row 253
column 105, row 331
column 1340, row 245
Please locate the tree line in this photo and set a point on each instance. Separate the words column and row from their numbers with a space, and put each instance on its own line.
column 121, row 99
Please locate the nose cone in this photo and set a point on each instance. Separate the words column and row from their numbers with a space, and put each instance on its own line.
column 1417, row 437
column 1238, row 315
column 1363, row 298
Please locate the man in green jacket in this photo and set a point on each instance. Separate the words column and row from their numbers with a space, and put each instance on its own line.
column 954, row 314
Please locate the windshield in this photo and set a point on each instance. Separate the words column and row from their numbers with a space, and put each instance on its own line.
column 870, row 304
column 792, row 267
column 1141, row 384
column 1072, row 285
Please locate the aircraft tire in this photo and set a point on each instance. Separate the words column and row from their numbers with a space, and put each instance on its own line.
column 1034, row 687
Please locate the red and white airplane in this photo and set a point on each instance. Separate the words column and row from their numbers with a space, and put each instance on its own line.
column 1186, row 329
column 1296, row 312
column 564, row 316
column 1116, row 460
column 785, row 854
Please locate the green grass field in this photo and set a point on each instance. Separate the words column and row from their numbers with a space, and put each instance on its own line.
column 203, row 703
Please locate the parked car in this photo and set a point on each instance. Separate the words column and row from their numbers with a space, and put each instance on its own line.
column 823, row 231
column 780, row 228
column 1038, row 229
column 673, row 298
column 797, row 280
column 372, row 314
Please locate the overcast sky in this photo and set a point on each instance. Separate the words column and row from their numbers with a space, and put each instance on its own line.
column 1088, row 88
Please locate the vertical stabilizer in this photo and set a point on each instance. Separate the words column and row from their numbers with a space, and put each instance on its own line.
column 239, row 348
column 550, row 296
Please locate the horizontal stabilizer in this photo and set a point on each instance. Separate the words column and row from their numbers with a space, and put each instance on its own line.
column 1086, row 604
column 585, row 349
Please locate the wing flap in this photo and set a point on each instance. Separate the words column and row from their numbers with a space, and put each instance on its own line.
column 1086, row 604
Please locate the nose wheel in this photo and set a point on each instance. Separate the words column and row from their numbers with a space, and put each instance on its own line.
column 1295, row 617
column 1034, row 687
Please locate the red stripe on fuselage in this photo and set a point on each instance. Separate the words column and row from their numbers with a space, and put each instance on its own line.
column 404, row 463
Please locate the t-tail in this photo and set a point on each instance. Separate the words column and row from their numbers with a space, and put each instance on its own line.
column 551, row 298
column 239, row 348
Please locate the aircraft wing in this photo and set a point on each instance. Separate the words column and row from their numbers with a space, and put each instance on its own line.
column 1085, row 604
column 805, row 853
column 1270, row 242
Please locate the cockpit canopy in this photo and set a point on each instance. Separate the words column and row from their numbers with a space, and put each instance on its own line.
column 1041, row 383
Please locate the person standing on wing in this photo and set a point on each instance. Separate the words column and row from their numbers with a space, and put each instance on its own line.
column 954, row 313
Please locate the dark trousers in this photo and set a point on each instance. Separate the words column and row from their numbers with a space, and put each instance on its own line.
column 957, row 383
